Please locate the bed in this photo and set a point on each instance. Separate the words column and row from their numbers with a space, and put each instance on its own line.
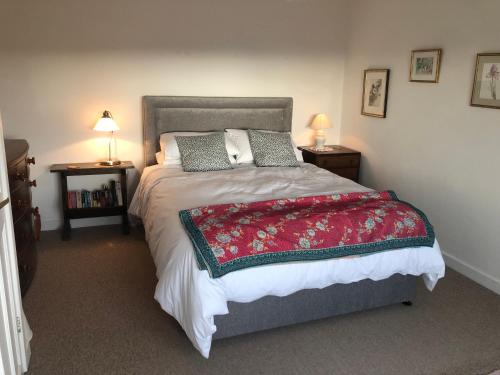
column 262, row 297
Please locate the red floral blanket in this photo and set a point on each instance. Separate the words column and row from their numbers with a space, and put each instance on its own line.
column 230, row 237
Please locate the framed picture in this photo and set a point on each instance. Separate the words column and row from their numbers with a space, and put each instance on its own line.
column 425, row 64
column 486, row 88
column 375, row 87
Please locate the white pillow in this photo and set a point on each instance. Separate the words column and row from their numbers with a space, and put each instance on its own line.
column 160, row 158
column 169, row 147
column 240, row 139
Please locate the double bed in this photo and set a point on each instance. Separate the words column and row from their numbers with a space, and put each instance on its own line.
column 266, row 296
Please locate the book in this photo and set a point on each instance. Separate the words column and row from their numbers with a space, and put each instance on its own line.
column 78, row 199
column 108, row 199
column 102, row 198
column 88, row 200
column 114, row 199
column 71, row 199
column 85, row 199
column 94, row 199
column 119, row 196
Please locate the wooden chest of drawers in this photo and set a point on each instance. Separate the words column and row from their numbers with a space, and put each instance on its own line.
column 340, row 160
column 24, row 215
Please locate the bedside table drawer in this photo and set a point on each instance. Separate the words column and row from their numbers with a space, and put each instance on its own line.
column 348, row 161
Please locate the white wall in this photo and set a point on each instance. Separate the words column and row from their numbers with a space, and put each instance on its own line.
column 62, row 63
column 433, row 148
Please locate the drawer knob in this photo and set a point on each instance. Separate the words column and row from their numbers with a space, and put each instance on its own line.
column 20, row 177
column 21, row 204
column 24, row 268
column 30, row 160
column 32, row 183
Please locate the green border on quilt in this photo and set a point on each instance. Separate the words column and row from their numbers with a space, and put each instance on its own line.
column 207, row 260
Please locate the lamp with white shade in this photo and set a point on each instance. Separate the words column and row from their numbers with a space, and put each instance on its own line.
column 319, row 123
column 107, row 124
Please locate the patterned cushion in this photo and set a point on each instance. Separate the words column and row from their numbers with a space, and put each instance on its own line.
column 203, row 153
column 272, row 149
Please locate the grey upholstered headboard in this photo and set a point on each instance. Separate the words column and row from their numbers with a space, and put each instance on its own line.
column 162, row 114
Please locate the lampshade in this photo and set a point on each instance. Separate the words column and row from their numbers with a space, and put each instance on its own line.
column 320, row 121
column 106, row 123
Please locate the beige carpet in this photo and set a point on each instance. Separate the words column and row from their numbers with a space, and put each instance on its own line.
column 92, row 311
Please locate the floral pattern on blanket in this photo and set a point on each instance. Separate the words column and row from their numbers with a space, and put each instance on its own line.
column 228, row 237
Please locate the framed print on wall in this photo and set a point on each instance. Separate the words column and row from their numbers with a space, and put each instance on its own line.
column 425, row 65
column 486, row 88
column 375, row 87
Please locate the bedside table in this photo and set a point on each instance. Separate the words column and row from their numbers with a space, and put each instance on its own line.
column 339, row 160
column 82, row 169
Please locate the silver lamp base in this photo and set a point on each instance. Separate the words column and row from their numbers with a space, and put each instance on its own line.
column 110, row 163
column 320, row 141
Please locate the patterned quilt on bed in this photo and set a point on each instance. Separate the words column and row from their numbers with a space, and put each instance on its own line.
column 230, row 237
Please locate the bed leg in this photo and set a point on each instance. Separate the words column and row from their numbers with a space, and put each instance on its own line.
column 407, row 303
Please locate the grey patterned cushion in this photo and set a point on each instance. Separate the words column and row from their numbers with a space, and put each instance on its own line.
column 203, row 153
column 272, row 149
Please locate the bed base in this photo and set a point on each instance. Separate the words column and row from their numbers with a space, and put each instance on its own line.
column 312, row 304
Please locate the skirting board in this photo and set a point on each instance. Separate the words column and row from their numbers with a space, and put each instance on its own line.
column 55, row 224
column 473, row 273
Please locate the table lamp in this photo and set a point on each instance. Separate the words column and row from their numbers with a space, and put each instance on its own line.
column 319, row 123
column 107, row 124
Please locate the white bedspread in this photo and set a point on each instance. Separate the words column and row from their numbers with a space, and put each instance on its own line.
column 193, row 298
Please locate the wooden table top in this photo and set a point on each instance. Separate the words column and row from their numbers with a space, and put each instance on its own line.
column 329, row 150
column 89, row 167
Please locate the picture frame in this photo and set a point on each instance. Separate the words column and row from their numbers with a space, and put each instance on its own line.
column 486, row 86
column 425, row 65
column 375, row 90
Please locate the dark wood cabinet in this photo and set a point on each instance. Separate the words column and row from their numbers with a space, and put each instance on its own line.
column 340, row 160
column 26, row 218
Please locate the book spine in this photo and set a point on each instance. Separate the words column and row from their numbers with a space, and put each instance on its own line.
column 102, row 198
column 87, row 199
column 119, row 196
column 78, row 199
column 114, row 201
column 73, row 199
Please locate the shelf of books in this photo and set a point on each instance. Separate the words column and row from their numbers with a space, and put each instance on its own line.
column 108, row 198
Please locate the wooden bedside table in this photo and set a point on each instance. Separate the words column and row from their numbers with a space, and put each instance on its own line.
column 82, row 169
column 340, row 160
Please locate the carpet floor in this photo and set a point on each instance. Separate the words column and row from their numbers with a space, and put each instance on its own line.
column 92, row 311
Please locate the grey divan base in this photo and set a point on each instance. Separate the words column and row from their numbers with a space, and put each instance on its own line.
column 312, row 304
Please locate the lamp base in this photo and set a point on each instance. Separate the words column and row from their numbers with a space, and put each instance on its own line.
column 110, row 163
column 326, row 148
column 320, row 142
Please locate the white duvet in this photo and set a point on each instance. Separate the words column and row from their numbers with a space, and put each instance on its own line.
column 193, row 298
